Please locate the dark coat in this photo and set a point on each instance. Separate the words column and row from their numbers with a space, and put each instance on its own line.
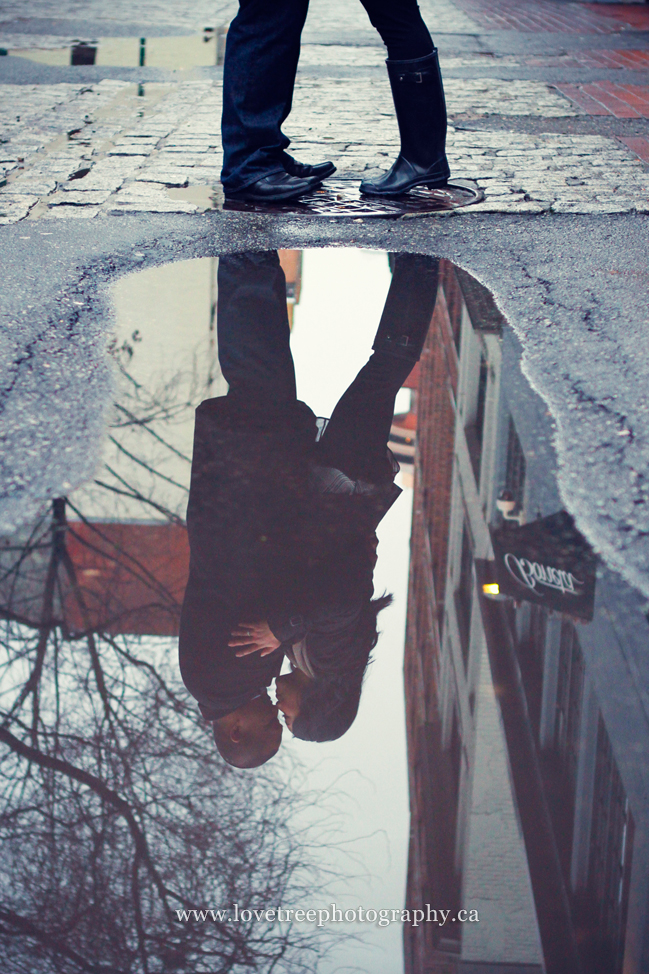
column 263, row 546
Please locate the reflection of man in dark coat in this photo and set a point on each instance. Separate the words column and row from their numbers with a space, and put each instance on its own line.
column 265, row 545
column 239, row 496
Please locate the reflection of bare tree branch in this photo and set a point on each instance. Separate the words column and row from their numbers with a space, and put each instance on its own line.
column 17, row 924
column 137, row 496
column 144, row 423
column 47, row 614
column 173, row 698
column 126, row 747
column 150, row 577
column 147, row 466
column 101, row 789
column 24, row 550
column 233, row 945
column 114, row 806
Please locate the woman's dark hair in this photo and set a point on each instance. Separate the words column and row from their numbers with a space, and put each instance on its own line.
column 329, row 705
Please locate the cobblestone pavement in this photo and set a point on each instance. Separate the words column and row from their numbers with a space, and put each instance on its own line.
column 85, row 150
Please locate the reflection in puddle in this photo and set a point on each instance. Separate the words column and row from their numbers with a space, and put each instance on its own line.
column 527, row 731
column 525, row 681
column 282, row 516
column 173, row 53
column 336, row 198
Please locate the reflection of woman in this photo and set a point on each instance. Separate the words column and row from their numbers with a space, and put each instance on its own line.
column 282, row 527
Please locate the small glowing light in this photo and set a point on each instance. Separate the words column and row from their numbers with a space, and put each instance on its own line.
column 491, row 589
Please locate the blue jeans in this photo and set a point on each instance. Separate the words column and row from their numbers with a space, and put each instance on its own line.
column 261, row 57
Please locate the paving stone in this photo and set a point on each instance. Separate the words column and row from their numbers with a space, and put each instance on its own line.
column 320, row 55
column 32, row 187
column 441, row 16
column 204, row 177
column 195, row 16
column 78, row 198
column 128, row 150
column 493, row 96
column 15, row 208
column 107, row 174
column 584, row 206
column 176, row 141
column 516, row 205
column 126, row 205
column 166, row 177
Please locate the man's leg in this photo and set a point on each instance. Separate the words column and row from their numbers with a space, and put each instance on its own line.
column 356, row 438
column 253, row 330
column 262, row 52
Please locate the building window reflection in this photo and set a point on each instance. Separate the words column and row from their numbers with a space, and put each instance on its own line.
column 516, row 688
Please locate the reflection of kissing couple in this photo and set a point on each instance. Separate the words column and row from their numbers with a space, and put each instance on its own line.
column 282, row 516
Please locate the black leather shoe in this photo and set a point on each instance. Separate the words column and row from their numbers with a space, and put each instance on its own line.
column 304, row 171
column 275, row 188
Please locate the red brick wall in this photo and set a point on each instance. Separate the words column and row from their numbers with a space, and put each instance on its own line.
column 437, row 385
column 131, row 577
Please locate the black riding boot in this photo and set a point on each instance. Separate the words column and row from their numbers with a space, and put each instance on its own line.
column 419, row 103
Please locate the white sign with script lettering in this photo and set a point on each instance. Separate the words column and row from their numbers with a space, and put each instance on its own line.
column 531, row 574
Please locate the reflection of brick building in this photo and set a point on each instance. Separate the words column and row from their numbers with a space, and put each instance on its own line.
column 527, row 734
column 431, row 877
column 291, row 263
column 131, row 577
column 103, row 576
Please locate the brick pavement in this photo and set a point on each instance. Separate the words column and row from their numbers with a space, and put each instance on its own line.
column 614, row 59
column 554, row 16
column 628, row 14
column 609, row 98
column 638, row 144
column 87, row 151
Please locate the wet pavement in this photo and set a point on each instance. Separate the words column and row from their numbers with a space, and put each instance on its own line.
column 495, row 776
column 563, row 92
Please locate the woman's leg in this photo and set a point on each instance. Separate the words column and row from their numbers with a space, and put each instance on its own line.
column 401, row 27
column 356, row 438
column 418, row 94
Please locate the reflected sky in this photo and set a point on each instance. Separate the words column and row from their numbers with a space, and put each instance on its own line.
column 175, row 53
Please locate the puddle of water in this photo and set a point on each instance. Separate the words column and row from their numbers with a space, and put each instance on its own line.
column 514, row 716
column 174, row 53
column 340, row 198
column 206, row 197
